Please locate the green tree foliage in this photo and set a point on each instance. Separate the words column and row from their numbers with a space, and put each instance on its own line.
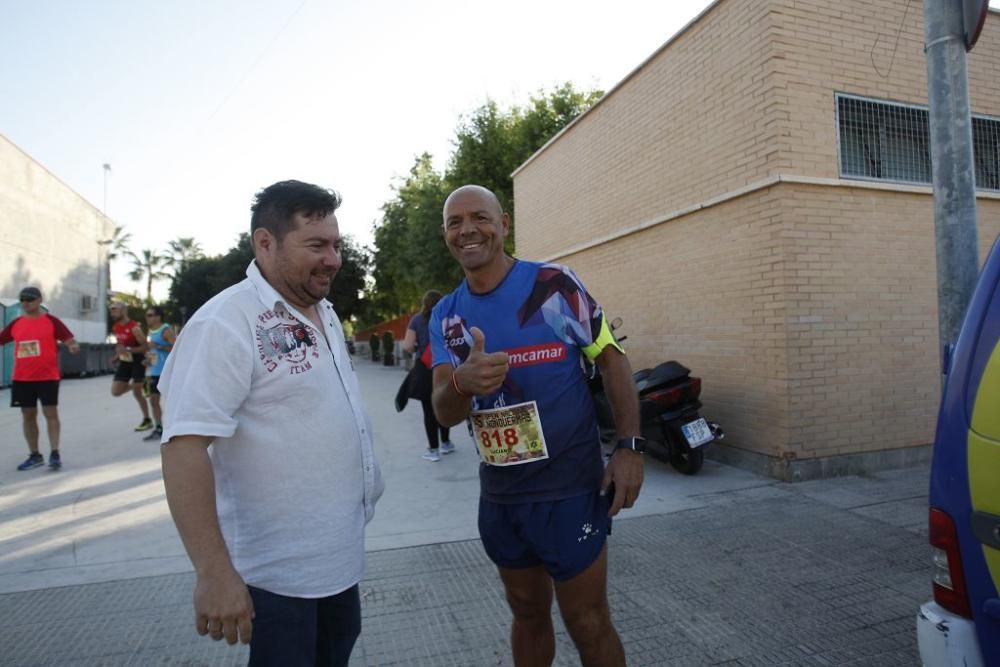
column 182, row 250
column 490, row 144
column 348, row 286
column 410, row 256
column 148, row 266
column 198, row 280
column 119, row 243
column 117, row 248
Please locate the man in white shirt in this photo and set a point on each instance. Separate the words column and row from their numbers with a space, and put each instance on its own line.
column 267, row 451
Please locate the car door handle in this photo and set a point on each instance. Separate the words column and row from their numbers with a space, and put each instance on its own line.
column 986, row 528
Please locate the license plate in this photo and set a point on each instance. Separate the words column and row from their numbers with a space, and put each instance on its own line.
column 697, row 433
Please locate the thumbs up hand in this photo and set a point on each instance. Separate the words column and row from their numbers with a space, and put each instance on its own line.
column 482, row 372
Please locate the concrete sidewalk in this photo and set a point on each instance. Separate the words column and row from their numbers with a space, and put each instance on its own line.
column 721, row 568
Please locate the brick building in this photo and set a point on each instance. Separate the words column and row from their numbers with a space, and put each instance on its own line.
column 754, row 201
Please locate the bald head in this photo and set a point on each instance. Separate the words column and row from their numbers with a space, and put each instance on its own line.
column 475, row 228
column 483, row 194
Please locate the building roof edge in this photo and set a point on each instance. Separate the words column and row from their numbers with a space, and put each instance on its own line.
column 48, row 171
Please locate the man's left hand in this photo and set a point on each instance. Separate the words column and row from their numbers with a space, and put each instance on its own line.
column 624, row 471
column 74, row 347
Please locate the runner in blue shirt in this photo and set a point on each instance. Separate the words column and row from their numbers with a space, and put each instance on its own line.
column 507, row 355
column 159, row 343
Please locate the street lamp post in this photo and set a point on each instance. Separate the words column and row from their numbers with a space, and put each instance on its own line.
column 107, row 172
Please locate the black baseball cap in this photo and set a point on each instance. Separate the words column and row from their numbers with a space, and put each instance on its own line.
column 31, row 293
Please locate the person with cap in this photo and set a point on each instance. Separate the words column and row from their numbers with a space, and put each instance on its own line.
column 36, row 335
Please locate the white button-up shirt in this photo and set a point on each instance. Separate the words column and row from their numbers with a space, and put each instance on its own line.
column 295, row 472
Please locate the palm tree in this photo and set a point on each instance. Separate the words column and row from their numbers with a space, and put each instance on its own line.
column 149, row 267
column 119, row 243
column 181, row 251
column 117, row 247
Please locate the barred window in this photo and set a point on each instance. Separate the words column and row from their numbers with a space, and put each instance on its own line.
column 986, row 148
column 888, row 141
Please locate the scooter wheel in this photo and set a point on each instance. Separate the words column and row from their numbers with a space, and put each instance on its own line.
column 686, row 460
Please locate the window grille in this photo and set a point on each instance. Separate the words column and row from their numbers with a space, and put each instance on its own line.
column 986, row 148
column 887, row 141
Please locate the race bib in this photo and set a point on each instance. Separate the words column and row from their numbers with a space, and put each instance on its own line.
column 125, row 356
column 152, row 357
column 28, row 348
column 509, row 436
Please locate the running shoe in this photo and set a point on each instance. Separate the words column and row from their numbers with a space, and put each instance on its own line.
column 36, row 460
column 447, row 447
column 155, row 434
column 55, row 461
column 432, row 455
column 146, row 424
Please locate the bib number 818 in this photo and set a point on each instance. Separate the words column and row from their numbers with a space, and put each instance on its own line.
column 509, row 437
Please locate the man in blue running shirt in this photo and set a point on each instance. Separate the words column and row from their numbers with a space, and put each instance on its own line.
column 507, row 354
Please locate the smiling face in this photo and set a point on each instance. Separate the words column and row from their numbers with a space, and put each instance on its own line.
column 475, row 229
column 301, row 266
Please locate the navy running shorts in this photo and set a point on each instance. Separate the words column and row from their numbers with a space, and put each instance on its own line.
column 565, row 536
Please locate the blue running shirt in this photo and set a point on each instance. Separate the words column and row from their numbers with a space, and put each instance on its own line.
column 157, row 357
column 543, row 317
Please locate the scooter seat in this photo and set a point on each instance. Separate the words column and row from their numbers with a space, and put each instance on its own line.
column 669, row 372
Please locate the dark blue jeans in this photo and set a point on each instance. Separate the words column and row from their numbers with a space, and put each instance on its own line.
column 302, row 632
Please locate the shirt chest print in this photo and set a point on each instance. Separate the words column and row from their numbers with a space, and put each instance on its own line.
column 285, row 343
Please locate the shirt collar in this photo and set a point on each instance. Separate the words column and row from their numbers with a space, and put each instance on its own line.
column 272, row 299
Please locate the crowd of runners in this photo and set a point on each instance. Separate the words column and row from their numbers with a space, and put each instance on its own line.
column 36, row 335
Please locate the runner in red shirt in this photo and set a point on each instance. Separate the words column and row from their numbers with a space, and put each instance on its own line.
column 130, row 353
column 36, row 372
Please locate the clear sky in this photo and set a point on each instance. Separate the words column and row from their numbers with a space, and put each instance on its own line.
column 197, row 104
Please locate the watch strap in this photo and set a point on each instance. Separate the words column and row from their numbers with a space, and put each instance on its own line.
column 635, row 443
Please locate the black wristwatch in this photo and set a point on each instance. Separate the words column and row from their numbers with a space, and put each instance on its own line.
column 635, row 443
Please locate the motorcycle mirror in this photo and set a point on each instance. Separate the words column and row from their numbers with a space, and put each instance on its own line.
column 615, row 323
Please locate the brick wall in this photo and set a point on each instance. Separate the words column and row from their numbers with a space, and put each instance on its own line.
column 700, row 201
column 700, row 290
column 851, row 46
column 694, row 122
column 862, row 332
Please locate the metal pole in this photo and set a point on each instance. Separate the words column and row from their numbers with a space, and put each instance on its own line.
column 952, row 164
column 107, row 170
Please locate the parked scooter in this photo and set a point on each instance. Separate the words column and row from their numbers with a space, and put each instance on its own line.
column 669, row 411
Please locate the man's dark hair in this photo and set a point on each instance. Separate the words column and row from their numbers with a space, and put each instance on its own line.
column 275, row 206
column 161, row 313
